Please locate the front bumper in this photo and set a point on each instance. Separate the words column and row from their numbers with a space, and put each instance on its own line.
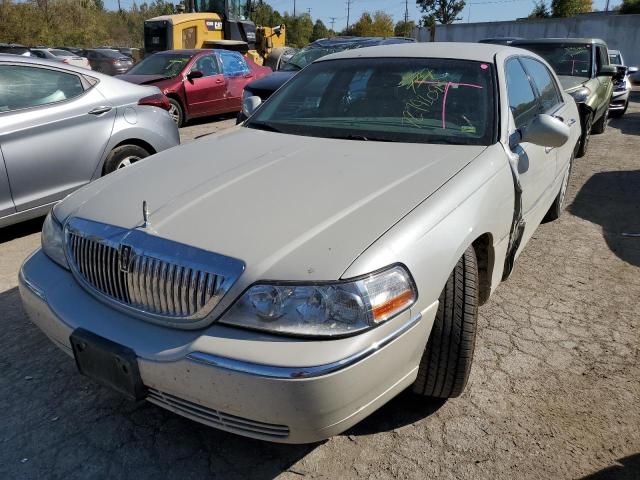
column 262, row 386
column 619, row 100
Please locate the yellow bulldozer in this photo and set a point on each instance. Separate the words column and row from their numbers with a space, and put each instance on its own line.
column 215, row 24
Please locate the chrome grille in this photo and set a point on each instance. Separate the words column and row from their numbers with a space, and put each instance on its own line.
column 154, row 276
column 215, row 418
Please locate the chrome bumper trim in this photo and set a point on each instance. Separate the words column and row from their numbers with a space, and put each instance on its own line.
column 289, row 373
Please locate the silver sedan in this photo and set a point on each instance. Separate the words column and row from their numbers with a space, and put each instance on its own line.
column 63, row 126
column 333, row 253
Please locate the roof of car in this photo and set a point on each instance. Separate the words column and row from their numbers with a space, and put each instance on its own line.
column 559, row 40
column 484, row 52
column 355, row 41
column 190, row 51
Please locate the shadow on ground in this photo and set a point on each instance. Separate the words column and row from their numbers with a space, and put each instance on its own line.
column 610, row 199
column 629, row 123
column 21, row 229
column 627, row 468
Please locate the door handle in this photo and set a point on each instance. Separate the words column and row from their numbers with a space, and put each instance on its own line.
column 219, row 81
column 547, row 149
column 100, row 110
column 571, row 121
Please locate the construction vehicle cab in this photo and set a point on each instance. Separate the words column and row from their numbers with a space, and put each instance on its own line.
column 213, row 24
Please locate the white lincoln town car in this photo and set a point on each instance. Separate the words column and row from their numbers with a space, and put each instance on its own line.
column 286, row 278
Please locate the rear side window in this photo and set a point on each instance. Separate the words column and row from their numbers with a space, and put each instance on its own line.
column 522, row 101
column 24, row 87
column 602, row 58
column 543, row 80
column 233, row 64
column 207, row 65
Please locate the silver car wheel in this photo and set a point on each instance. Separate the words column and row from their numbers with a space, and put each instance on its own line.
column 174, row 114
column 125, row 162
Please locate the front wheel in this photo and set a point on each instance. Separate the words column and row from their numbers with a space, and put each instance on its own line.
column 175, row 112
column 601, row 125
column 446, row 362
column 123, row 156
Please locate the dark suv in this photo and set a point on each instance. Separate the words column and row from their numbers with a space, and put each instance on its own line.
column 582, row 66
column 265, row 86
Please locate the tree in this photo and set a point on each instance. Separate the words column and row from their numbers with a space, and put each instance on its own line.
column 442, row 11
column 263, row 14
column 568, row 8
column 299, row 29
column 540, row 10
column 378, row 25
column 630, row 6
column 319, row 31
column 404, row 29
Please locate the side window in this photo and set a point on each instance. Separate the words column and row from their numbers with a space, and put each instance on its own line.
column 233, row 64
column 38, row 54
column 522, row 101
column 208, row 65
column 24, row 87
column 544, row 82
column 601, row 57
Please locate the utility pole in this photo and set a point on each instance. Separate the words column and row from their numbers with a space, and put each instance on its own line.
column 349, row 2
column 294, row 8
column 406, row 17
column 333, row 22
column 606, row 9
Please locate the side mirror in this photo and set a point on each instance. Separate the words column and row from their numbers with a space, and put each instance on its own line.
column 632, row 69
column 607, row 71
column 194, row 74
column 546, row 131
column 250, row 105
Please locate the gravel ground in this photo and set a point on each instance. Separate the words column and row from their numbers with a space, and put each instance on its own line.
column 554, row 391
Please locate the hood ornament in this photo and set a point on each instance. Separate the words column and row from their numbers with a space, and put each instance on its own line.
column 145, row 215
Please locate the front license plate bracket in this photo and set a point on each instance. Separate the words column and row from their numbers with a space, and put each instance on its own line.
column 109, row 363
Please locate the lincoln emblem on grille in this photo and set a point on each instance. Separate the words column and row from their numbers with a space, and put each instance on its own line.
column 125, row 257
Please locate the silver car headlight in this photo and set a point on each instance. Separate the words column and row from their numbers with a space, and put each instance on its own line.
column 581, row 94
column 325, row 309
column 53, row 240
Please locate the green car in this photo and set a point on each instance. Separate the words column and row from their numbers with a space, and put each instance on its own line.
column 582, row 65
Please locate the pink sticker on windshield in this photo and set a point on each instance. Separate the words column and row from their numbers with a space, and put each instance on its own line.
column 484, row 66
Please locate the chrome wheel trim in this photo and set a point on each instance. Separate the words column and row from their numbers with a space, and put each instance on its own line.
column 174, row 114
column 126, row 161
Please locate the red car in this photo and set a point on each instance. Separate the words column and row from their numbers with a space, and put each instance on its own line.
column 197, row 82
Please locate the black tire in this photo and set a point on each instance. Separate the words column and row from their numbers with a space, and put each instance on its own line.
column 240, row 118
column 122, row 156
column 273, row 60
column 558, row 204
column 446, row 362
column 586, row 135
column 176, row 112
column 601, row 125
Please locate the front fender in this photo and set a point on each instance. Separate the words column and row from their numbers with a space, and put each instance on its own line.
column 478, row 200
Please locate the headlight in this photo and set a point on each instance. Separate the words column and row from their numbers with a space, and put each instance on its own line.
column 325, row 309
column 581, row 94
column 53, row 240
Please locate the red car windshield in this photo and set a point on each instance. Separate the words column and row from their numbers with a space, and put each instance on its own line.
column 165, row 65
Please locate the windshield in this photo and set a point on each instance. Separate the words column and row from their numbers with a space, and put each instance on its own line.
column 309, row 55
column 566, row 59
column 61, row 53
column 165, row 65
column 417, row 100
column 615, row 59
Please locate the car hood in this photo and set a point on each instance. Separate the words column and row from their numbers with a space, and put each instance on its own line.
column 569, row 82
column 270, row 83
column 143, row 79
column 291, row 207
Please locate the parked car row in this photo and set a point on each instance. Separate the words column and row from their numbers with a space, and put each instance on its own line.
column 284, row 280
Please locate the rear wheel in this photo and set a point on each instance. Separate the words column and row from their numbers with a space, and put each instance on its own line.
column 446, row 362
column 586, row 135
column 123, row 156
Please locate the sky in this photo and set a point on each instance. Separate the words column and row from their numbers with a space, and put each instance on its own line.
column 474, row 11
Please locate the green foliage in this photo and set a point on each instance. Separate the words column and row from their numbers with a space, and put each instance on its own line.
column 540, row 10
column 75, row 23
column 299, row 29
column 630, row 6
column 319, row 31
column 568, row 8
column 264, row 15
column 378, row 25
column 404, row 29
column 441, row 11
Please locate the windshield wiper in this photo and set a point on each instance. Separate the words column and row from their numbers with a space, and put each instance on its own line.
column 264, row 126
column 366, row 138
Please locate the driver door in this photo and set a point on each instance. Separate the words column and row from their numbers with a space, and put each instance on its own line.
column 6, row 201
column 205, row 95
